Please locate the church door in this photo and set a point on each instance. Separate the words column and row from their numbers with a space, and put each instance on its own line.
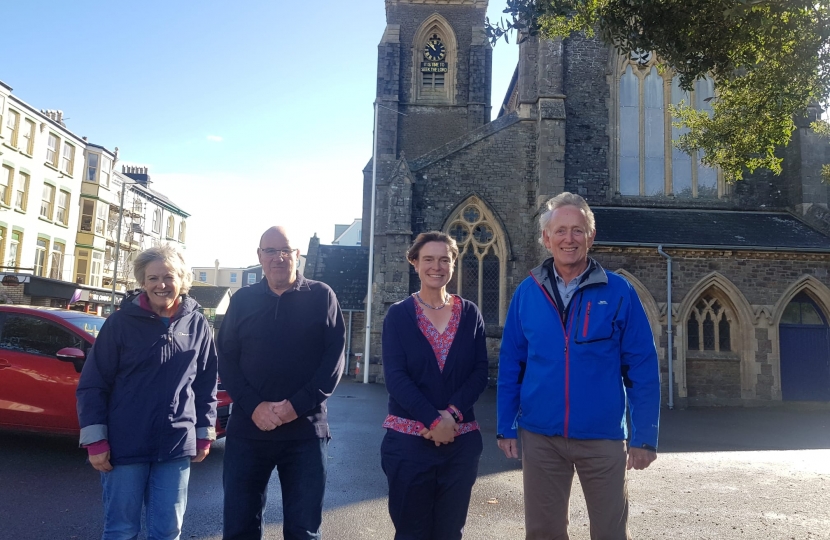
column 805, row 352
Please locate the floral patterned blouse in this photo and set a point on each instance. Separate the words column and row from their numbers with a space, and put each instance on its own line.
column 441, row 343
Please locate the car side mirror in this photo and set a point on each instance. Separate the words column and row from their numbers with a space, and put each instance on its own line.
column 71, row 354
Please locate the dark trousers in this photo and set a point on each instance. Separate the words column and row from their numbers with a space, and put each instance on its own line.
column 429, row 486
column 301, row 466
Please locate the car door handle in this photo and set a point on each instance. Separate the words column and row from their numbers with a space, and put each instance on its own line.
column 4, row 363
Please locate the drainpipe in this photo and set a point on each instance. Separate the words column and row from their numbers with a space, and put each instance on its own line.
column 349, row 341
column 669, row 324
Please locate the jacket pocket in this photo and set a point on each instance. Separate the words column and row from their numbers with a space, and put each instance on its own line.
column 596, row 320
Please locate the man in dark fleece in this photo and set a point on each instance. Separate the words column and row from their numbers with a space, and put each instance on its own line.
column 280, row 357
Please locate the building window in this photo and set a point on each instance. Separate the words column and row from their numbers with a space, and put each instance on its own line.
column 708, row 326
column 649, row 164
column 40, row 256
column 29, row 137
column 182, row 231
column 12, row 127
column 56, row 262
column 63, row 208
column 87, row 213
column 138, row 206
column 801, row 310
column 233, row 277
column 47, row 201
column 434, row 61
column 101, row 217
column 91, row 167
column 21, row 197
column 2, row 245
column 6, row 182
column 52, row 150
column 106, row 169
column 251, row 279
column 81, row 266
column 68, row 158
column 13, row 260
column 95, row 271
column 203, row 276
column 157, row 221
column 171, row 227
column 479, row 270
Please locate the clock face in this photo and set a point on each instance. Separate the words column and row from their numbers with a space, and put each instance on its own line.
column 435, row 50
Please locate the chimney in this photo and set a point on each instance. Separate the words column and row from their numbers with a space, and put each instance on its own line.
column 139, row 174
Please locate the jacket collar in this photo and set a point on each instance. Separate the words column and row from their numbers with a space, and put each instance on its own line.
column 137, row 303
column 543, row 274
column 300, row 285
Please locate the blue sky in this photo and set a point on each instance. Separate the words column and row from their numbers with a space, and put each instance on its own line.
column 248, row 113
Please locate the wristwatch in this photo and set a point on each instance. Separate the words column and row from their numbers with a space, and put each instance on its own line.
column 648, row 447
column 500, row 436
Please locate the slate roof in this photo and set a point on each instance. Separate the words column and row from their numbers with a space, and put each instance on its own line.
column 209, row 297
column 346, row 270
column 776, row 231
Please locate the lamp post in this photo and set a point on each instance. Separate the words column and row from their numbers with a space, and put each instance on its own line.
column 367, row 342
column 124, row 185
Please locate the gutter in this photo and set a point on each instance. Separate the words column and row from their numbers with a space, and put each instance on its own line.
column 669, row 324
column 716, row 247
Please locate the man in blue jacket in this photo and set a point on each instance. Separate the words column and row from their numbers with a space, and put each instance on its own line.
column 280, row 357
column 576, row 349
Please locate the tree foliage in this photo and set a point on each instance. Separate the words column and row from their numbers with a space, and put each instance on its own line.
column 770, row 60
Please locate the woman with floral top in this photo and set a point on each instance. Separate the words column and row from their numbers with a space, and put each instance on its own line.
column 435, row 366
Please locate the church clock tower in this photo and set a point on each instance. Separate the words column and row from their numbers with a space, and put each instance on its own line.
column 434, row 67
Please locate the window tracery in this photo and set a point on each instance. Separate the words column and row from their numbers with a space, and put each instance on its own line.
column 648, row 163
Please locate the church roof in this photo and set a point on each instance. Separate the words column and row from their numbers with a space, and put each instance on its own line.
column 721, row 229
column 346, row 270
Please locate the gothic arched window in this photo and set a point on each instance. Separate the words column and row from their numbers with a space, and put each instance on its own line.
column 709, row 326
column 648, row 163
column 479, row 274
column 434, row 61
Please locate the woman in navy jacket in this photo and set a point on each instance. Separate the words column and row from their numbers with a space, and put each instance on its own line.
column 147, row 400
column 435, row 366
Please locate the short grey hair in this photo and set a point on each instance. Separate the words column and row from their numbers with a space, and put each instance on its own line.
column 566, row 199
column 169, row 255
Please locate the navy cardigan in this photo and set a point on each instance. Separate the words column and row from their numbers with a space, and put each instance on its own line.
column 417, row 388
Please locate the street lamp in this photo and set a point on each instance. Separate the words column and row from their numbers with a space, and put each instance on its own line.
column 367, row 342
column 124, row 185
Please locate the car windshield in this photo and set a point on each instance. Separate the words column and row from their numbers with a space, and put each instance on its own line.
column 90, row 324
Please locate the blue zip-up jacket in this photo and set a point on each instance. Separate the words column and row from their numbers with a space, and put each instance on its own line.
column 149, row 389
column 565, row 377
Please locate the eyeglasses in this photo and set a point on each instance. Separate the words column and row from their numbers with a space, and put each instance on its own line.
column 271, row 252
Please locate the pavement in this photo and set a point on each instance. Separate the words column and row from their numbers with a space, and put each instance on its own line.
column 722, row 473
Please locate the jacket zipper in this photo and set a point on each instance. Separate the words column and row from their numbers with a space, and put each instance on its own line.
column 587, row 318
column 567, row 355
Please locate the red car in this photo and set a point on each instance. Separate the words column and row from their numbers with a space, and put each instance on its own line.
column 42, row 351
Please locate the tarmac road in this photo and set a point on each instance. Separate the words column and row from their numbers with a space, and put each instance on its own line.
column 749, row 474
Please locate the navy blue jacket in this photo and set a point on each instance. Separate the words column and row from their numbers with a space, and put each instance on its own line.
column 149, row 389
column 275, row 347
column 417, row 388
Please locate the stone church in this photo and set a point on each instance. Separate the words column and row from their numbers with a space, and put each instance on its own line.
column 733, row 277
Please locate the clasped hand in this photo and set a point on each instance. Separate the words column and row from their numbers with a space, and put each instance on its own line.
column 270, row 415
column 444, row 432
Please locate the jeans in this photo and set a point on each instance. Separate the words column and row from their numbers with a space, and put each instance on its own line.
column 301, row 466
column 160, row 486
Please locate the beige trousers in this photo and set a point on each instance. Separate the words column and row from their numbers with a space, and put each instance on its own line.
column 548, row 465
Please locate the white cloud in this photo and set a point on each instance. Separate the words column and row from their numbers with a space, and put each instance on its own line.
column 214, row 138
